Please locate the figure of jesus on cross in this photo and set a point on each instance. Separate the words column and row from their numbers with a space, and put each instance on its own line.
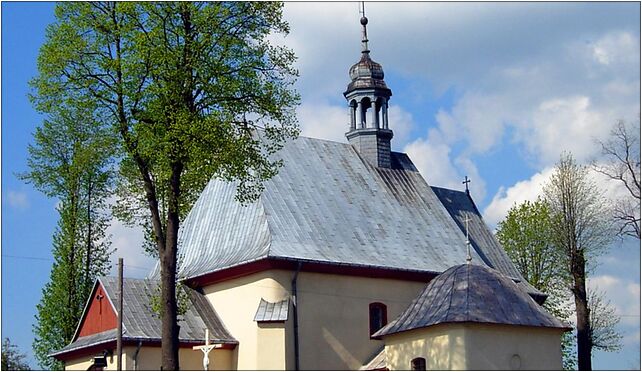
column 206, row 349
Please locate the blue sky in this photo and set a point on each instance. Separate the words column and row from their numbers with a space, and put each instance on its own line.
column 494, row 91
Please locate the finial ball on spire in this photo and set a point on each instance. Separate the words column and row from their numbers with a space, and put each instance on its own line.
column 364, row 21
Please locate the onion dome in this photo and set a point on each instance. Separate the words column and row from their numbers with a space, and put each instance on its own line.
column 366, row 73
column 471, row 293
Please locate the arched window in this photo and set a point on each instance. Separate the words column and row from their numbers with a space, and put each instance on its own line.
column 418, row 364
column 378, row 316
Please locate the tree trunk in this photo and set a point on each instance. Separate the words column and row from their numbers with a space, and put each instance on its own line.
column 582, row 312
column 169, row 330
column 170, row 327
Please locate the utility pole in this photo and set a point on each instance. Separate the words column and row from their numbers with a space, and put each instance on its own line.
column 119, row 336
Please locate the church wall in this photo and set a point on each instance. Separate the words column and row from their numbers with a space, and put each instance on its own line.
column 333, row 316
column 82, row 363
column 261, row 346
column 334, row 328
column 149, row 358
column 476, row 347
column 513, row 347
column 443, row 347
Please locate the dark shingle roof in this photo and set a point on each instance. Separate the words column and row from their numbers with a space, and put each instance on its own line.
column 272, row 311
column 461, row 207
column 141, row 323
column 325, row 205
column 471, row 293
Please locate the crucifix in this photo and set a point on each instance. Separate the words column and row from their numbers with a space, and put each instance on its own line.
column 466, row 182
column 469, row 258
column 100, row 297
column 206, row 349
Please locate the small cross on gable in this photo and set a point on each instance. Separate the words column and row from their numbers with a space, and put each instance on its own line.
column 466, row 182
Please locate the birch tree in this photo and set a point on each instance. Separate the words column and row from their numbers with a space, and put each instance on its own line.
column 580, row 230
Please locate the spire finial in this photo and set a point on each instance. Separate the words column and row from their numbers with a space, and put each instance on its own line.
column 364, row 32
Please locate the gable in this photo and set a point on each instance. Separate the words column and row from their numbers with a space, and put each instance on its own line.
column 100, row 316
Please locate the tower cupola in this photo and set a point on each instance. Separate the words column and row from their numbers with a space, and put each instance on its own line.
column 367, row 95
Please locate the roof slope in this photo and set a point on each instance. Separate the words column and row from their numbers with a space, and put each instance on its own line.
column 325, row 205
column 471, row 293
column 460, row 206
column 141, row 323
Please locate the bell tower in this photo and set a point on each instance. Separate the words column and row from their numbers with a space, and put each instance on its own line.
column 367, row 95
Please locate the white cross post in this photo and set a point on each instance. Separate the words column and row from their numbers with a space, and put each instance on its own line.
column 206, row 349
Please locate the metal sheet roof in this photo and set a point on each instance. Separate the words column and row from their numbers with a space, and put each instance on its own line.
column 471, row 293
column 327, row 205
column 141, row 323
column 460, row 206
column 272, row 311
column 88, row 341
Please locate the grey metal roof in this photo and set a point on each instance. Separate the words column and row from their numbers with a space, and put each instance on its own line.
column 326, row 205
column 88, row 341
column 141, row 323
column 272, row 311
column 460, row 206
column 471, row 293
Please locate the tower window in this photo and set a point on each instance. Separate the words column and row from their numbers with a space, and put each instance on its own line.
column 378, row 316
column 418, row 364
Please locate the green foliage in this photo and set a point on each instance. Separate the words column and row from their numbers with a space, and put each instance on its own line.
column 12, row 358
column 182, row 300
column 526, row 235
column 553, row 242
column 69, row 160
column 193, row 90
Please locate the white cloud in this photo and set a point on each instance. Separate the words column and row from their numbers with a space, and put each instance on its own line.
column 433, row 162
column 616, row 47
column 323, row 121
column 17, row 199
column 520, row 192
column 564, row 124
column 432, row 158
column 477, row 119
column 623, row 294
column 551, row 89
column 402, row 123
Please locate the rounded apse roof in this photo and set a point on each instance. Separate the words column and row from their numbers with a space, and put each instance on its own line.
column 473, row 294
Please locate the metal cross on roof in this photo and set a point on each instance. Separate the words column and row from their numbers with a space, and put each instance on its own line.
column 466, row 182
